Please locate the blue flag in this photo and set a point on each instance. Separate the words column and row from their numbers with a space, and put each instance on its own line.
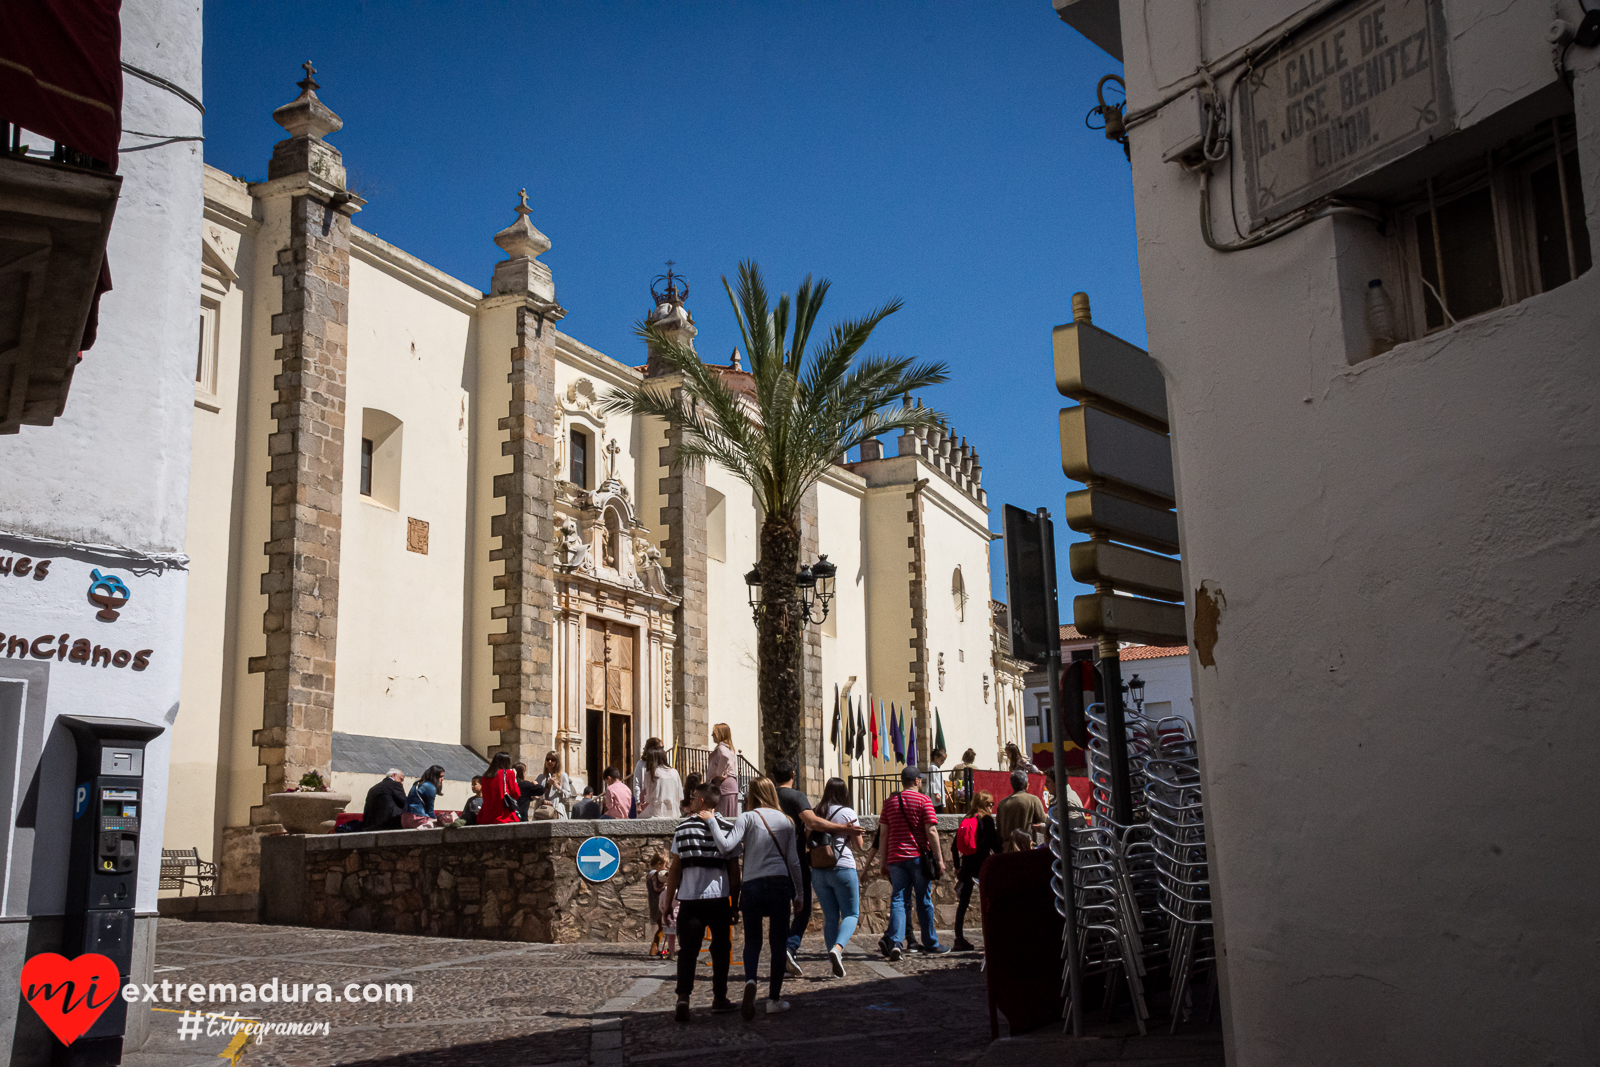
column 911, row 740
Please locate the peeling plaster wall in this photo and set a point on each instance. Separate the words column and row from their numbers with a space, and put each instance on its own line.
column 1398, row 726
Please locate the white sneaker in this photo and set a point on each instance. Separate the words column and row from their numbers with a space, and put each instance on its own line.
column 776, row 1006
column 836, row 959
column 794, row 966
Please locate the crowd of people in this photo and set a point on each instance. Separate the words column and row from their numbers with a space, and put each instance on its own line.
column 761, row 865
column 504, row 793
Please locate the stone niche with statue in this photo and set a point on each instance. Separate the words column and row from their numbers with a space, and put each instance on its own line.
column 615, row 626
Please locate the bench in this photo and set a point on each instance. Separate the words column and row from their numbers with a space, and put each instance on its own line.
column 183, row 866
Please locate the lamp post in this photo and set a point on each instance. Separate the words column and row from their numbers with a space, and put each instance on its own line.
column 813, row 587
column 1136, row 690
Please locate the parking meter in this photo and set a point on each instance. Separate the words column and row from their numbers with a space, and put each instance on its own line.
column 103, row 870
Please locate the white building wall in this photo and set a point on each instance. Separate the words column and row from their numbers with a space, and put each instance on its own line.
column 1395, row 732
column 844, row 632
column 111, row 473
column 402, row 614
column 730, row 628
column 956, row 535
column 211, row 544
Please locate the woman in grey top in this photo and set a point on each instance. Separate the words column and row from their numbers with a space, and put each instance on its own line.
column 770, row 886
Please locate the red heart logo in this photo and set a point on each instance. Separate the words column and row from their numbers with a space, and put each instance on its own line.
column 69, row 995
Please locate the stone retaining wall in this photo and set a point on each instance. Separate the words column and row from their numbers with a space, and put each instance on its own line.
column 510, row 882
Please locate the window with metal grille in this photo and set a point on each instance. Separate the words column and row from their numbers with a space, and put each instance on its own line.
column 1496, row 230
column 366, row 466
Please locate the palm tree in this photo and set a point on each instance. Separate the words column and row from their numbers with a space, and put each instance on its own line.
column 808, row 410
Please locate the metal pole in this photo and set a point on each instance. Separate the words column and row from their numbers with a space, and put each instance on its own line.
column 1121, row 789
column 1069, row 906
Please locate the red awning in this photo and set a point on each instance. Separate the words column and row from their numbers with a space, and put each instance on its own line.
column 61, row 71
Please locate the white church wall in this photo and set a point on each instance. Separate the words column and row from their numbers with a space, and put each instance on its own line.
column 496, row 336
column 956, row 535
column 731, row 630
column 209, row 533
column 241, row 777
column 401, row 612
column 840, row 498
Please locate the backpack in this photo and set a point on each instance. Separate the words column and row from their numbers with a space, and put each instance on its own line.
column 967, row 836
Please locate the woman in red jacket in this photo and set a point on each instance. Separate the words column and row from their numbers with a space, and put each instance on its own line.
column 500, row 792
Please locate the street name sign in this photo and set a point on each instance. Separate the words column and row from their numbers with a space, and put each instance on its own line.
column 1341, row 99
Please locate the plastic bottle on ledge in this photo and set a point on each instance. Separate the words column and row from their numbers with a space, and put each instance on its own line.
column 1380, row 317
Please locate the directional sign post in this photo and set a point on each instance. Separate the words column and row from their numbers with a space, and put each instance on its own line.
column 598, row 859
column 1115, row 442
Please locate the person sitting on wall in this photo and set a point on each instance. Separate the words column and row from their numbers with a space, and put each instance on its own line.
column 525, row 788
column 386, row 802
column 500, row 796
column 419, row 804
column 618, row 802
column 469, row 814
column 588, row 807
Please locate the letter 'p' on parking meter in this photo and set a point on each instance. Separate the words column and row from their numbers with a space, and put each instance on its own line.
column 108, row 809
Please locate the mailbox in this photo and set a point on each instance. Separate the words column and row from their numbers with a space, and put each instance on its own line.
column 103, row 870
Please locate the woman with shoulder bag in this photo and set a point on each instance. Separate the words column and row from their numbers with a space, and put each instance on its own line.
column 501, row 796
column 833, row 873
column 976, row 839
column 770, row 886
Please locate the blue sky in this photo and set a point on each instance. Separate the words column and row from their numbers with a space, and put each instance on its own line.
column 935, row 152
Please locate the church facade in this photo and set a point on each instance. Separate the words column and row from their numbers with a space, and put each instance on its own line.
column 414, row 536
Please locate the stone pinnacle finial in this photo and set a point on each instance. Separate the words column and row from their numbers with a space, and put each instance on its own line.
column 522, row 240
column 735, row 361
column 305, row 115
column 1080, row 307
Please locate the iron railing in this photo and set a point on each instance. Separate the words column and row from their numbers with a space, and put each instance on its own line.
column 689, row 760
column 869, row 791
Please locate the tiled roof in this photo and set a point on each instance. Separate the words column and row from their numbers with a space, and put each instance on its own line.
column 364, row 754
column 1070, row 633
column 1151, row 652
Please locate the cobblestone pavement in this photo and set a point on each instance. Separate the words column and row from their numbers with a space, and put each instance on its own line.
column 500, row 1004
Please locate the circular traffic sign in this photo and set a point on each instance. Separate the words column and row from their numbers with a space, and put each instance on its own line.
column 599, row 858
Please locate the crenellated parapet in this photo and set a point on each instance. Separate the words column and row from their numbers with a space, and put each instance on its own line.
column 950, row 455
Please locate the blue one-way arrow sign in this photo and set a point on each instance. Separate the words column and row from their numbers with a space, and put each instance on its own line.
column 599, row 858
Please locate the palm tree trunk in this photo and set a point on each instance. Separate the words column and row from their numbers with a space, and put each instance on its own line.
column 779, row 637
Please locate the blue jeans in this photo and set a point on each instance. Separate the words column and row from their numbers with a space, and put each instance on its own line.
column 839, row 893
column 905, row 878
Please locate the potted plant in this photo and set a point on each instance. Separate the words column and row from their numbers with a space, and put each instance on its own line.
column 310, row 807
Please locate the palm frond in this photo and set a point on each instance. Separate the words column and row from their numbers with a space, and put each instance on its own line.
column 812, row 403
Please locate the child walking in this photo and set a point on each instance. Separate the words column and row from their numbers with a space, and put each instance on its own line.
column 664, row 910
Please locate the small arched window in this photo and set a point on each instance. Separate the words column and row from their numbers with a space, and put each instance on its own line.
column 958, row 593
column 381, row 435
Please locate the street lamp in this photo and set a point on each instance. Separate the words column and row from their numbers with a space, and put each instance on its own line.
column 813, row 586
column 1136, row 690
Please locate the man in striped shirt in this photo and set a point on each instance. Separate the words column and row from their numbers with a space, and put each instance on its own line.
column 908, row 826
